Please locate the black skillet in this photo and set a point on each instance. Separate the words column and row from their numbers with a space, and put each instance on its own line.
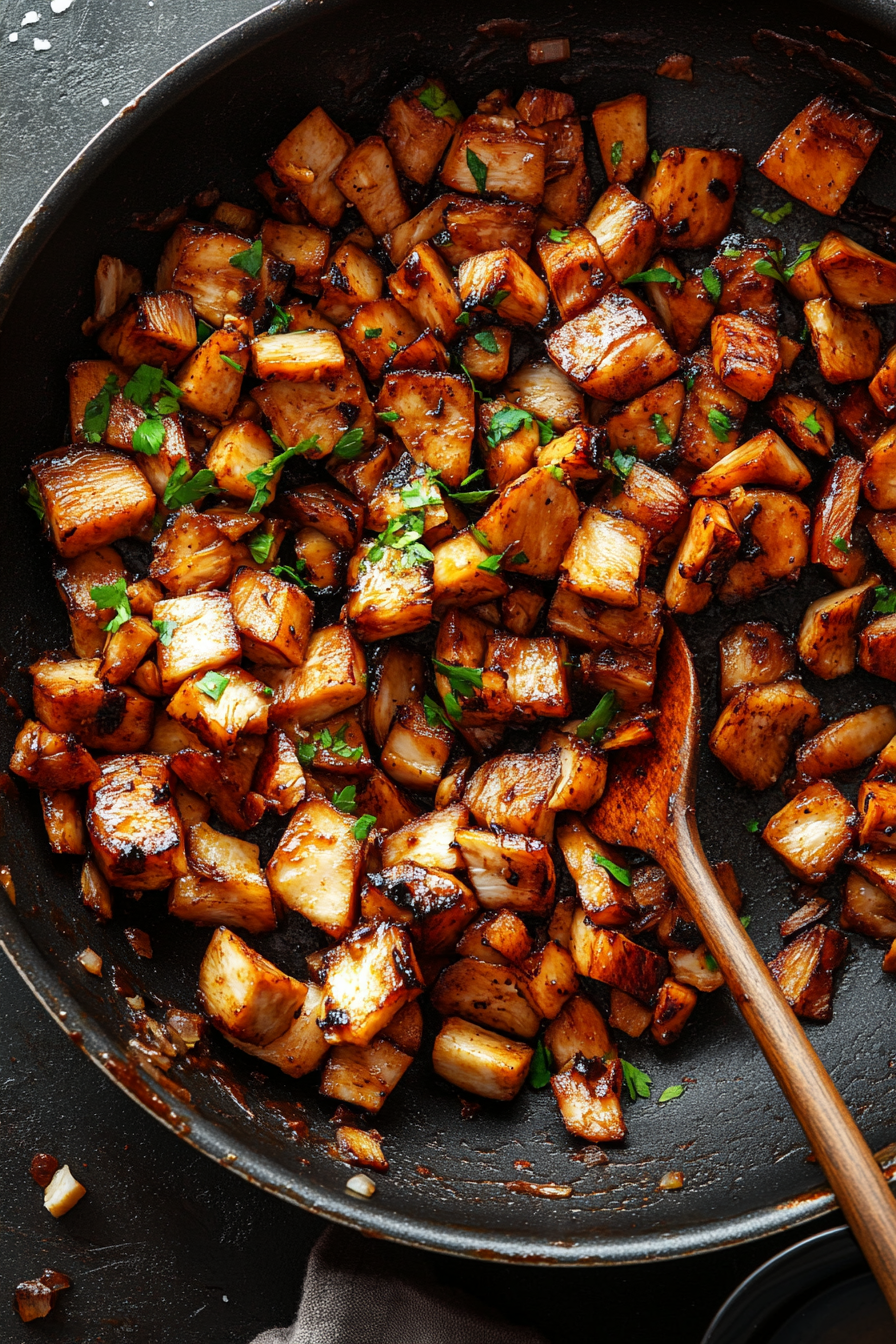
column 450, row 1184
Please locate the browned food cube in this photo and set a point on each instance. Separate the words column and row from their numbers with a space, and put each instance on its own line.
column 498, row 938
column 241, row 447
column 846, row 341
column 203, row 637
column 113, row 284
column 744, row 288
column 389, row 592
column 867, row 908
column 513, row 157
column 712, row 418
column 225, row 884
column 512, row 791
column 273, row 618
column 628, row 1015
column 36, row 1298
column 219, row 714
column 51, row 760
column 298, row 356
column 621, row 129
column 746, row 354
column 509, row 872
column 758, row 728
column 424, row 285
column 85, row 379
column 819, row 156
column 692, row 194
column 552, row 979
column 804, row 969
column 209, row 384
column 877, row 647
column 197, row 262
column 607, row 955
column 475, row 225
column 246, row 996
column 540, row 387
column 457, row 579
column 644, row 425
column 126, row 649
column 845, row 744
column 534, row 673
column 135, row 829
column 323, row 506
column 877, row 809
column 224, row 780
column 279, row 777
column 533, row 522
column 575, row 270
column 151, row 329
column 371, row 976
column 510, row 448
column 304, row 247
column 487, row 359
column 579, row 1029
column 360, row 1148
column 299, row 411
column 435, row 421
column 673, row 1007
column 352, row 279
column 650, row 499
column 606, row 559
column 70, row 697
column 583, row 768
column 854, row 274
column 754, row 653
column 614, row 350
column 480, row 1061
column 74, row 580
column 763, row 460
column 364, row 1075
column 375, row 328
column 307, row 161
column 567, row 190
column 683, row 305
column 502, row 282
column 492, row 996
column 417, row 134
column 827, row 634
column 367, row 179
column 316, row 867
column 332, row 678
column 883, row 386
column 536, row 106
column 416, row 751
column 190, row 553
column 777, row 525
column 813, row 831
column 796, row 417
column 429, row 840
column 91, row 497
column 603, row 896
column 878, row 484
column 625, row 230
column 587, row 1098
column 440, row 904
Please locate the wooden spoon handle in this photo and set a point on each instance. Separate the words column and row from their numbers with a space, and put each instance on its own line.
column 855, row 1177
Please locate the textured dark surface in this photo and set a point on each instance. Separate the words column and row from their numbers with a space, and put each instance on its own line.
column 199, row 1230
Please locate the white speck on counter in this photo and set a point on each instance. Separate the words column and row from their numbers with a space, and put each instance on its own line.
column 60, row 6
column 105, row 102
column 31, row 17
column 13, row 37
column 41, row 44
column 225, row 1298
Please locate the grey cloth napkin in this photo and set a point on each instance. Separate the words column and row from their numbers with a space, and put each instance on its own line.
column 361, row 1291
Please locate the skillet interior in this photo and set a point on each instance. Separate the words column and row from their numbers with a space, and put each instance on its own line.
column 744, row 1157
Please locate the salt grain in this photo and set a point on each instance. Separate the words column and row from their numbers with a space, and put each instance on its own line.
column 40, row 44
column 13, row 37
column 31, row 17
column 105, row 102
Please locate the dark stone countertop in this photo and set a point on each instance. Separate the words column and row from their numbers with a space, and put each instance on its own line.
column 167, row 1248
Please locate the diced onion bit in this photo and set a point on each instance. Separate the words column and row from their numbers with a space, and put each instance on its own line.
column 397, row 619
column 548, row 51
column 62, row 1193
column 673, row 1180
column 361, row 1185
column 91, row 961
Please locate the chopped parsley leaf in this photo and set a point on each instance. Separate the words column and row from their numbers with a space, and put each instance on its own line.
column 203, row 330
column 182, row 488
column 616, row 151
column 486, row 340
column 558, row 235
column 96, row 412
column 478, row 170
column 621, row 874
column 33, row 499
column 752, row 826
column 351, row 445
column 805, row 252
column 371, row 333
column 213, row 685
column 659, row 428
column 842, row 544
column 262, row 475
column 657, row 276
column 389, row 416
column 885, row 600
column 260, row 544
column 363, row 826
column 231, row 363
column 712, row 283
column 435, row 714
column 506, row 422
column 671, row 1093
column 498, row 298
column 280, row 322
column 720, row 424
column 811, row 423
column 772, row 216
column 521, row 558
column 114, row 596
column 346, row 799
column 402, row 534
column 165, row 631
column 541, row 1065
column 250, row 260
column 492, row 563
column 293, row 573
column 438, row 102
column 637, row 1082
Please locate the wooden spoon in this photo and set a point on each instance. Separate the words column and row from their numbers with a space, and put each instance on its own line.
column 649, row 804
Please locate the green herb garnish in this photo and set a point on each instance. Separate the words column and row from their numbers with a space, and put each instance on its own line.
column 811, row 423
column 487, row 341
column 885, row 600
column 616, row 151
column 478, row 170
column 506, row 422
column 96, row 412
column 598, row 721
column 280, row 322
column 671, row 1093
column 250, row 260
column 293, row 573
column 720, row 424
column 182, row 488
column 165, row 631
column 231, row 363
column 842, row 544
column 213, row 685
column 363, row 826
column 752, row 826
column 438, row 102
column 346, row 799
column 33, row 499
column 203, row 330
column 389, row 416
column 435, row 714
column 114, row 595
column 772, row 216
column 558, row 235
column 657, row 276
column 712, row 283
column 351, row 445
column 621, row 874
column 261, row 476
column 541, row 1066
column 260, row 544
column 659, row 428
column 637, row 1082
column 371, row 333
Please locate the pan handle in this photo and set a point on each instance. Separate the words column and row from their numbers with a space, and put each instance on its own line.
column 837, row 1142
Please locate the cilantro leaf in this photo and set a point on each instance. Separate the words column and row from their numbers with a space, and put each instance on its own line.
column 597, row 722
column 732, row 252
column 719, row 423
column 114, row 595
column 657, row 276
column 231, row 363
column 712, row 283
column 492, row 563
column 203, row 330
column 545, row 432
column 363, row 826
column 637, row 1082
column 805, row 252
column 487, row 341
column 351, row 445
column 346, row 799
column 262, row 475
column 498, row 298
column 770, row 265
column 182, row 488
column 811, row 423
column 616, row 151
column 558, row 235
column 435, row 714
column 478, row 170
column 671, row 1093
column 280, row 322
column 33, row 499
column 842, row 544
column 148, row 437
column 772, row 216
column 752, row 826
column 621, row 874
column 438, row 102
column 710, row 962
column 659, row 428
column 402, row 534
column 746, row 920
column 462, row 680
column 506, row 422
column 655, row 157
column 389, row 416
column 620, row 465
column 213, row 684
column 96, row 412
column 144, row 383
column 521, row 558
column 165, row 629
column 541, row 1065
column 556, row 472
column 250, row 260
column 371, row 333
column 885, row 600
column 462, row 319
column 260, row 544
column 293, row 573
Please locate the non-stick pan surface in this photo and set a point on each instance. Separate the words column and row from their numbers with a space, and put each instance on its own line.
column 450, row 1185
